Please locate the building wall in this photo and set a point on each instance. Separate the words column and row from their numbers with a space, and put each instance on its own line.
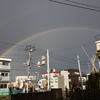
column 61, row 82
column 54, row 82
column 66, row 79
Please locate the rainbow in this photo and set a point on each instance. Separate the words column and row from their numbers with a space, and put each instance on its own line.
column 46, row 32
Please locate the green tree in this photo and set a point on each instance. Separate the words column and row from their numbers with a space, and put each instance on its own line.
column 93, row 82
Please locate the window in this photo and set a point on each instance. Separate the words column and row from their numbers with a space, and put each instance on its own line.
column 56, row 81
column 51, row 85
column 5, row 63
column 3, row 85
column 4, row 74
column 51, row 80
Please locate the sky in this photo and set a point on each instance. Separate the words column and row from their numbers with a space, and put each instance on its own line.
column 62, row 27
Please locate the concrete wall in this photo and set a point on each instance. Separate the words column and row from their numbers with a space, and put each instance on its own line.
column 61, row 82
column 54, row 94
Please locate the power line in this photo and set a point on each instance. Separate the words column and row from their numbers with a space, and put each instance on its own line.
column 9, row 44
column 58, row 57
column 82, row 4
column 73, row 5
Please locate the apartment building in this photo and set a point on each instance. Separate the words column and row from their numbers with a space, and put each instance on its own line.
column 57, row 79
column 4, row 73
column 74, row 77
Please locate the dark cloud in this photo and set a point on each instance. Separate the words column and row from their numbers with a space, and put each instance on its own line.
column 21, row 19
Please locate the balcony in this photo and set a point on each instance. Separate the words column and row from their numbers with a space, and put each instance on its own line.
column 5, row 67
column 4, row 91
column 5, row 78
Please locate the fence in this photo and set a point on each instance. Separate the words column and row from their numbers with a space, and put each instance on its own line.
column 9, row 92
column 82, row 95
column 54, row 94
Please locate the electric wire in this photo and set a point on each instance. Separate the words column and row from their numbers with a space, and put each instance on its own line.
column 41, row 51
column 55, row 56
column 77, row 6
column 82, row 4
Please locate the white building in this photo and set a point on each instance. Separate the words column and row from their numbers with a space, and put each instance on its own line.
column 22, row 79
column 4, row 73
column 57, row 79
column 66, row 78
column 60, row 81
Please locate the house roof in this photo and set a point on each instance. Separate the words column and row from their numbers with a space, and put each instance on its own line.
column 5, row 59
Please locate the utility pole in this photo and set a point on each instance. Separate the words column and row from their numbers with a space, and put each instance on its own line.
column 89, row 68
column 29, row 49
column 80, row 74
column 42, row 62
column 48, row 69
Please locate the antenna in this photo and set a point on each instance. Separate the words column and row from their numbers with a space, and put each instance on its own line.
column 92, row 60
column 85, row 52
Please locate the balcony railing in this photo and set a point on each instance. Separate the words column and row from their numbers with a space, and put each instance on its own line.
column 4, row 91
column 5, row 78
column 5, row 67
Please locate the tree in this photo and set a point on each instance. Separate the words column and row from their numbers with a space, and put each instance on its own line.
column 93, row 82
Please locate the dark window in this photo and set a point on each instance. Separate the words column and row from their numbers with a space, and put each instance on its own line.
column 1, row 85
column 6, row 74
column 2, row 74
column 5, row 63
column 5, row 85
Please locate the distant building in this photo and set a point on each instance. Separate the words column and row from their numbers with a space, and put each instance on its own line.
column 65, row 74
column 57, row 79
column 74, row 77
column 21, row 79
column 4, row 73
column 63, row 79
